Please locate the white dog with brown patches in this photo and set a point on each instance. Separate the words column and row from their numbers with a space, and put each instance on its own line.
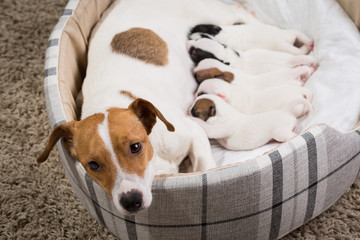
column 250, row 101
column 239, row 131
column 212, row 68
column 139, row 70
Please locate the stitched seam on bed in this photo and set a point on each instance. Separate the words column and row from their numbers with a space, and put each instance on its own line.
column 204, row 207
column 277, row 195
column 97, row 207
column 313, row 174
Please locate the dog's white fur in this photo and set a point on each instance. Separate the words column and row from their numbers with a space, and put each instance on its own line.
column 170, row 88
column 249, row 101
column 238, row 131
column 259, row 35
column 287, row 76
column 253, row 61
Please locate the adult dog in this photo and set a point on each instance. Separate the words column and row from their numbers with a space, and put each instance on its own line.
column 138, row 70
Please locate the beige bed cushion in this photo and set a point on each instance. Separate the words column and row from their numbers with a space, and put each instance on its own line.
column 352, row 8
column 73, row 53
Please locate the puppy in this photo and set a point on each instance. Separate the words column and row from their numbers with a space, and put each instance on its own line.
column 242, row 37
column 250, row 101
column 238, row 131
column 254, row 61
column 212, row 68
column 139, row 71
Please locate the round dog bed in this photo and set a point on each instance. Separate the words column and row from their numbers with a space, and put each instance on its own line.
column 264, row 197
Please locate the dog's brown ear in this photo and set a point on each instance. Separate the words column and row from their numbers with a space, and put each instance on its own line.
column 63, row 131
column 147, row 113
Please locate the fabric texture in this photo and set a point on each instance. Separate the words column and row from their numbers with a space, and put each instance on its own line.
column 263, row 198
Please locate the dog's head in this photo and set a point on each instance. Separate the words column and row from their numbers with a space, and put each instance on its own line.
column 210, row 107
column 115, row 151
column 203, row 108
column 204, row 48
column 212, row 68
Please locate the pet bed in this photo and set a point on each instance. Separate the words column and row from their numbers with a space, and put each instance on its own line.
column 263, row 197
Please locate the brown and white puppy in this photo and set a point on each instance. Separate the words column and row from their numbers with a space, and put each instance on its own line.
column 255, row 61
column 139, row 70
column 243, row 37
column 238, row 131
column 250, row 101
column 212, row 68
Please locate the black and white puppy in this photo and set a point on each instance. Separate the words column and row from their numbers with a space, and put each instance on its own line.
column 242, row 37
column 253, row 61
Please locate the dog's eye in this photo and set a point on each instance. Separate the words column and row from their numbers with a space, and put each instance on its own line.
column 135, row 148
column 212, row 111
column 94, row 166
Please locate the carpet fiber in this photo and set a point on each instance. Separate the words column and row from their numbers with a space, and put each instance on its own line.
column 37, row 201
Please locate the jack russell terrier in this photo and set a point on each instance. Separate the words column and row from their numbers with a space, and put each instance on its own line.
column 255, row 101
column 254, row 61
column 238, row 131
column 139, row 70
column 242, row 37
column 212, row 68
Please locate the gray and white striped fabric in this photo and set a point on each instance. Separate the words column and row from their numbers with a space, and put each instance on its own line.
column 264, row 198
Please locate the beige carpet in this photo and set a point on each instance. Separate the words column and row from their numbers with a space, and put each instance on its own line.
column 37, row 202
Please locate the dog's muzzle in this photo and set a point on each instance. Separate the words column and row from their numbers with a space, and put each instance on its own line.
column 132, row 201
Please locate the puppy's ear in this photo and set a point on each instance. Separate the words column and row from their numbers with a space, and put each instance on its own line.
column 63, row 131
column 147, row 113
column 202, row 75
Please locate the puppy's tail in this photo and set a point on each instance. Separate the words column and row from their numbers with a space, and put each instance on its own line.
column 307, row 106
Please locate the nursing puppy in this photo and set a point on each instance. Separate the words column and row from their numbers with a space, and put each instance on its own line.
column 255, row 61
column 212, row 68
column 250, row 101
column 139, row 71
column 242, row 37
column 238, row 131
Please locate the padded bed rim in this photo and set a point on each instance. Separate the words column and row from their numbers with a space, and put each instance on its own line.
column 268, row 196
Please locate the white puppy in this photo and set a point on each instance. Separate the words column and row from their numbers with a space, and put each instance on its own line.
column 212, row 68
column 242, row 37
column 254, row 61
column 250, row 101
column 238, row 131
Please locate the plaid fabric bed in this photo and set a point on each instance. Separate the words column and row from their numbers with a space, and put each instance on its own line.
column 264, row 198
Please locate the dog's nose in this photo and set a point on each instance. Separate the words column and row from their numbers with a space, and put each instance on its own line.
column 131, row 201
column 194, row 112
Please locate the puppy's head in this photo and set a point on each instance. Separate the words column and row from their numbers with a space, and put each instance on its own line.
column 203, row 108
column 212, row 68
column 115, row 151
column 209, row 29
column 203, row 48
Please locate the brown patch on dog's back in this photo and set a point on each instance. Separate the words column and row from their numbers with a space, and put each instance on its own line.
column 213, row 73
column 142, row 44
